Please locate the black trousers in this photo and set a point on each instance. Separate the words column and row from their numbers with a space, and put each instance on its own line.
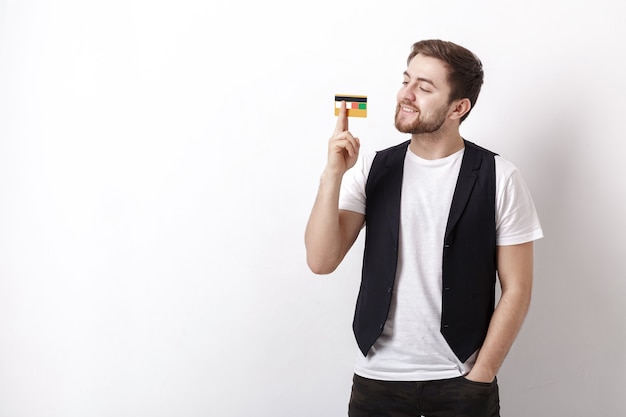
column 456, row 397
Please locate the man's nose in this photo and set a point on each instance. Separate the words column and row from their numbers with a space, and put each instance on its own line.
column 406, row 93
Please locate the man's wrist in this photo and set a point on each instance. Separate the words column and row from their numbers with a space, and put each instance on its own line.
column 330, row 176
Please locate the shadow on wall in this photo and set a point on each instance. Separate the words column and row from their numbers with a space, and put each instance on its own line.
column 569, row 343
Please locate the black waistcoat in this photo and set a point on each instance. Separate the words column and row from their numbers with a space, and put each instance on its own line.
column 468, row 259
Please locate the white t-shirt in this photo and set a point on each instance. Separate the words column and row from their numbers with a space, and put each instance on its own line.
column 411, row 347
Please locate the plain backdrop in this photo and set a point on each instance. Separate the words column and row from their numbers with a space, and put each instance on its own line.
column 159, row 160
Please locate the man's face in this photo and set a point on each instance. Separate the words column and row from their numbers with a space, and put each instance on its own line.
column 423, row 101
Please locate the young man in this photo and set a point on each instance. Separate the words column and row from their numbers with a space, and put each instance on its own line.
column 443, row 218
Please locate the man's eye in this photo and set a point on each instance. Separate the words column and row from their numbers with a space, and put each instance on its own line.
column 424, row 90
column 405, row 82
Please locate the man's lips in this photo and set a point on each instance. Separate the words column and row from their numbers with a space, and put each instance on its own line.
column 407, row 108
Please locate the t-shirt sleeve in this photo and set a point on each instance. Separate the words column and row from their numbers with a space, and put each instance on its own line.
column 516, row 217
column 352, row 193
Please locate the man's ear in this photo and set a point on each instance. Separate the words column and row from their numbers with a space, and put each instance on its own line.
column 459, row 108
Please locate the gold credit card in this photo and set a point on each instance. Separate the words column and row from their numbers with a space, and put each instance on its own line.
column 356, row 105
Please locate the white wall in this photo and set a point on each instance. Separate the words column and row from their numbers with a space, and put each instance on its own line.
column 158, row 161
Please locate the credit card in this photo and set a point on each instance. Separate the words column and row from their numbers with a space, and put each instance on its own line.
column 356, row 105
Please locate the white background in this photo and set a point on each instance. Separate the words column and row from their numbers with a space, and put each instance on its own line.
column 159, row 159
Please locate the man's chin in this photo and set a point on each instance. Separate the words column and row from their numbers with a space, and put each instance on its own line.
column 404, row 128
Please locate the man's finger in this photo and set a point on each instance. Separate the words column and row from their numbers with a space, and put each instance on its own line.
column 342, row 119
column 346, row 142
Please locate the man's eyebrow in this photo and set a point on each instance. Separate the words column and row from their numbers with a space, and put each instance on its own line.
column 426, row 80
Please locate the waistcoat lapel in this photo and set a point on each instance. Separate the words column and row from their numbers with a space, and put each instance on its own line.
column 394, row 167
column 464, row 186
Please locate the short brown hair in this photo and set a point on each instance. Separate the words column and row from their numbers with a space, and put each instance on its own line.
column 465, row 74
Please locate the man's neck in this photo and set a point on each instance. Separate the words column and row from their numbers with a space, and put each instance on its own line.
column 434, row 146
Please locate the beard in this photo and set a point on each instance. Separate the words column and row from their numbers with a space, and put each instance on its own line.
column 421, row 124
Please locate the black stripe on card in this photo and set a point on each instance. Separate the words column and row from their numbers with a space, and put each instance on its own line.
column 351, row 98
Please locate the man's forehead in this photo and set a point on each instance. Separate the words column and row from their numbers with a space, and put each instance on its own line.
column 427, row 68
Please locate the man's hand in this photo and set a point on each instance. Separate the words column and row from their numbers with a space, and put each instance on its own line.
column 343, row 148
column 478, row 376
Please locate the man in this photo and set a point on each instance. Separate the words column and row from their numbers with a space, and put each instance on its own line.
column 443, row 218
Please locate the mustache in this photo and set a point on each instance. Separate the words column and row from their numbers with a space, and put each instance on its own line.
column 407, row 103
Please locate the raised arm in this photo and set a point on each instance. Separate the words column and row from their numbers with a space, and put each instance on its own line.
column 330, row 232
